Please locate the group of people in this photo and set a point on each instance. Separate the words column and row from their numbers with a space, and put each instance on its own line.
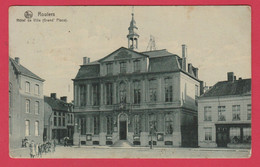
column 37, row 149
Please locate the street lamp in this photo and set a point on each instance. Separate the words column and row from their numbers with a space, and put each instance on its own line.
column 152, row 131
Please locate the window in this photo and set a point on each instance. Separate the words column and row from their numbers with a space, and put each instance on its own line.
column 234, row 135
column 246, row 135
column 137, row 66
column 168, row 124
column 27, row 87
column 36, row 128
column 37, row 89
column 55, row 121
column 153, row 123
column 137, row 92
column 27, row 128
column 208, row 134
column 71, row 118
column 36, row 107
column 122, row 92
column 109, row 68
column 207, row 113
column 96, row 125
column 95, row 94
column 109, row 95
column 82, row 89
column 236, row 112
column 83, row 126
column 153, row 90
column 221, row 113
column 59, row 118
column 249, row 112
column 10, row 125
column 27, row 106
column 109, row 125
column 123, row 67
column 137, row 125
column 196, row 91
column 10, row 95
column 168, row 89
column 63, row 120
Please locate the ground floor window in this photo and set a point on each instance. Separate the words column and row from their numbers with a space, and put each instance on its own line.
column 137, row 125
column 246, row 135
column 208, row 134
column 83, row 126
column 96, row 125
column 168, row 124
column 234, row 135
column 36, row 128
column 153, row 123
column 109, row 125
column 27, row 128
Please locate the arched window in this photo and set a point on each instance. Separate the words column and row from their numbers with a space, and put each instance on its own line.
column 27, row 106
column 27, row 87
column 122, row 92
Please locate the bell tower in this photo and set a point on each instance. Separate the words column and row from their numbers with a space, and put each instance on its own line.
column 132, row 35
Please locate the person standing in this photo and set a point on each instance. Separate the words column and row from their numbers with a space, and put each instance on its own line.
column 32, row 149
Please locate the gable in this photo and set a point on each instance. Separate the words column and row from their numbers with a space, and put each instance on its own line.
column 122, row 54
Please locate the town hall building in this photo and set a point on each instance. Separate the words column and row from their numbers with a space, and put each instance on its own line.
column 141, row 98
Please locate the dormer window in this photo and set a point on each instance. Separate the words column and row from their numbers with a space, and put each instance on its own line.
column 137, row 66
column 109, row 68
column 123, row 67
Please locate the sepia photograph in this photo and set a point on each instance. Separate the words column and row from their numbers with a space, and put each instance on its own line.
column 129, row 82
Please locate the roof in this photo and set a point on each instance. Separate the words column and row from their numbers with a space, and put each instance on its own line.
column 158, row 53
column 227, row 88
column 57, row 104
column 166, row 63
column 24, row 71
column 89, row 70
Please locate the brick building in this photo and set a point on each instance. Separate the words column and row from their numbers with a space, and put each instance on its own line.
column 58, row 118
column 135, row 96
column 224, row 114
column 25, row 104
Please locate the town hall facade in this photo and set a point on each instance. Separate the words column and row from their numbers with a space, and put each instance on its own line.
column 141, row 98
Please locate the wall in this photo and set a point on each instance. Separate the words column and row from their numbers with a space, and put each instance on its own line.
column 214, row 103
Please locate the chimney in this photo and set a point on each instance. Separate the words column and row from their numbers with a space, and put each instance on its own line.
column 17, row 60
column 195, row 71
column 64, row 98
column 190, row 68
column 53, row 95
column 231, row 76
column 184, row 57
column 239, row 78
column 86, row 60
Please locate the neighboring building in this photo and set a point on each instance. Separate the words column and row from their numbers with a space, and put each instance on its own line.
column 224, row 113
column 131, row 95
column 58, row 118
column 25, row 104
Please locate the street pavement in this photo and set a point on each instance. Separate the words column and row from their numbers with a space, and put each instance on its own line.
column 136, row 152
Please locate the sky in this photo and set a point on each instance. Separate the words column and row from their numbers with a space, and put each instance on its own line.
column 218, row 38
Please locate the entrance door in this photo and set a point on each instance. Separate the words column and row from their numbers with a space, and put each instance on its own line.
column 222, row 136
column 122, row 130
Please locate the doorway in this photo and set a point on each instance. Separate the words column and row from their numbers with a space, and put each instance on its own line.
column 222, row 136
column 122, row 131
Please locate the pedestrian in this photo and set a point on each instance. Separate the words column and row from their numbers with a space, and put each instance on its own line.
column 36, row 150
column 32, row 149
column 40, row 150
column 53, row 145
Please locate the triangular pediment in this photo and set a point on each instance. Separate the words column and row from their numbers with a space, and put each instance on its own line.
column 123, row 54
